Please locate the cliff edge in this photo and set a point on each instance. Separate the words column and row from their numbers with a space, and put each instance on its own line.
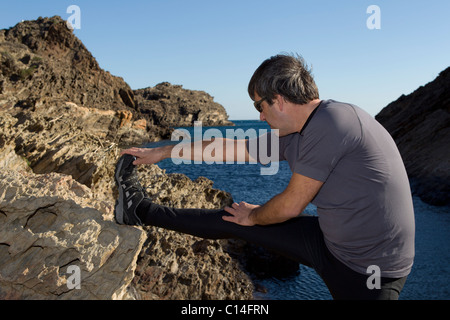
column 420, row 125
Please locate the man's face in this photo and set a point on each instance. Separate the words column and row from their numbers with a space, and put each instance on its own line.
column 265, row 114
column 272, row 115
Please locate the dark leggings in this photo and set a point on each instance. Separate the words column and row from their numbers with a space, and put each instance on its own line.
column 299, row 239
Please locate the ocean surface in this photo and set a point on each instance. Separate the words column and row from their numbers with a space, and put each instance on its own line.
column 430, row 276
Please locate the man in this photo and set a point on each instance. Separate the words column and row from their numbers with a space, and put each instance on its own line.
column 342, row 160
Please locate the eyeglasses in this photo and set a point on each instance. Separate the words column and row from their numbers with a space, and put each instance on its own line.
column 258, row 106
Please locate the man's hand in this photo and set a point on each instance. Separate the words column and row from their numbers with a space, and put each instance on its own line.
column 147, row 155
column 284, row 206
column 240, row 213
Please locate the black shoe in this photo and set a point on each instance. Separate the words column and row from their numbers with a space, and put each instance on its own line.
column 130, row 190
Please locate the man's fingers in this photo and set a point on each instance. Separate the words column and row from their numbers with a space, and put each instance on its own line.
column 138, row 161
column 229, row 210
column 231, row 218
column 228, row 218
column 136, row 152
column 128, row 151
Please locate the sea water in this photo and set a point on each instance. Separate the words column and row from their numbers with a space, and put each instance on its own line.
column 429, row 278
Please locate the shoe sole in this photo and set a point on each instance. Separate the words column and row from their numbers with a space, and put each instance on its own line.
column 118, row 213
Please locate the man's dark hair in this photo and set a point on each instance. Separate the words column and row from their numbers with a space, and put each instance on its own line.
column 286, row 75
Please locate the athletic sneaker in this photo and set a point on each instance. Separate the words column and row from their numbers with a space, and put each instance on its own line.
column 130, row 190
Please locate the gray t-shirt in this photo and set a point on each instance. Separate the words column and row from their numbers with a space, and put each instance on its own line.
column 364, row 206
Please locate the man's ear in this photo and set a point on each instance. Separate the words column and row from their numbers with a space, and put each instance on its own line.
column 279, row 99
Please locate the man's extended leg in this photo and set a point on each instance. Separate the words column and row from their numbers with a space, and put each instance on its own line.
column 296, row 239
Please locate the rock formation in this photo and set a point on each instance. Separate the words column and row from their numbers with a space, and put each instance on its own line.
column 63, row 121
column 172, row 106
column 49, row 223
column 42, row 61
column 57, row 178
column 420, row 125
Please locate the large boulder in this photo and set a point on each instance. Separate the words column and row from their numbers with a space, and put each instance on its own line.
column 49, row 223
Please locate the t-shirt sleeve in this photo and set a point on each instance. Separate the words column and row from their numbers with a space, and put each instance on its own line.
column 320, row 148
column 267, row 147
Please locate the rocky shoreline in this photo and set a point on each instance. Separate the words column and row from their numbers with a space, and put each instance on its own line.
column 63, row 122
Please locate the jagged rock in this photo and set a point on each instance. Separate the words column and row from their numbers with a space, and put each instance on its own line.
column 69, row 139
column 420, row 125
column 173, row 266
column 84, row 143
column 178, row 266
column 212, row 274
column 176, row 190
column 173, row 106
column 50, row 222
column 77, row 146
column 46, row 60
column 42, row 61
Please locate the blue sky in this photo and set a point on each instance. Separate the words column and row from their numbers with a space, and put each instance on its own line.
column 215, row 46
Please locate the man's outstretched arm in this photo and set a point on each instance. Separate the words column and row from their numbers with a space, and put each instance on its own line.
column 228, row 151
column 284, row 206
